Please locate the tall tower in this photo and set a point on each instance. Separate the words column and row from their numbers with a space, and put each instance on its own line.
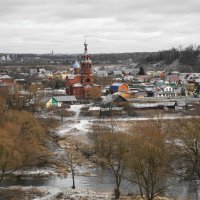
column 80, row 84
column 86, row 68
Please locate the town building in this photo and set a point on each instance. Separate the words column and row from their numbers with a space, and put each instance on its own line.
column 80, row 83
column 119, row 87
column 59, row 101
column 6, row 79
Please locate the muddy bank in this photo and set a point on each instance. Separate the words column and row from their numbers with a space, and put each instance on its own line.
column 19, row 193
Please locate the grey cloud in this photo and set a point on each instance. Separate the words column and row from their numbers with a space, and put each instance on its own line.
column 111, row 25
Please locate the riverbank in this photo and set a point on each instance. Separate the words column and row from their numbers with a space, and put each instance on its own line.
column 56, row 177
column 48, row 193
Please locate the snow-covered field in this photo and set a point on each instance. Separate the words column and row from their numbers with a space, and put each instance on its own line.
column 78, row 125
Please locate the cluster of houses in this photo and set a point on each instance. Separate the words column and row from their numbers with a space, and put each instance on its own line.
column 48, row 74
column 36, row 59
column 4, row 58
column 150, row 91
column 155, row 84
column 154, row 89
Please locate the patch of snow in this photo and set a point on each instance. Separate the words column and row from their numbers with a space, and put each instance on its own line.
column 76, row 109
column 76, row 126
column 68, row 193
column 36, row 172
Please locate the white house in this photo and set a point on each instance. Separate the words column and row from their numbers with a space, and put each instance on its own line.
column 102, row 73
column 117, row 73
column 33, row 71
column 167, row 88
column 3, row 58
column 129, row 78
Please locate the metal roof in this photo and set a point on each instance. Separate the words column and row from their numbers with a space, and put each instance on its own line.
column 65, row 98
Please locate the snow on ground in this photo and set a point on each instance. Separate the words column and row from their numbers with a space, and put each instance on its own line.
column 78, row 125
column 72, row 127
column 68, row 193
column 36, row 172
column 76, row 109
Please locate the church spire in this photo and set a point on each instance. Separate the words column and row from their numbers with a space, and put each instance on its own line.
column 85, row 50
column 86, row 56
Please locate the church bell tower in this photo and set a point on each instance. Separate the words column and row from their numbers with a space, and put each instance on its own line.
column 86, row 68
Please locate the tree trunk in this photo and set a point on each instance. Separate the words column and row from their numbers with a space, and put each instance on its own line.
column 117, row 191
column 73, row 179
column 2, row 177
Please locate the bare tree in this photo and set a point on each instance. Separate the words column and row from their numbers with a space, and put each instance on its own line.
column 149, row 164
column 187, row 141
column 111, row 146
column 71, row 161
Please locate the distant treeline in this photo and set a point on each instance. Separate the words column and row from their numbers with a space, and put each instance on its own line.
column 186, row 57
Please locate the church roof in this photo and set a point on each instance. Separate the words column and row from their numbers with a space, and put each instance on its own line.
column 76, row 65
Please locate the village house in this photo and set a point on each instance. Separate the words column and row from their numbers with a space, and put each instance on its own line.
column 118, row 74
column 102, row 73
column 116, row 99
column 127, row 71
column 6, row 79
column 167, row 88
column 128, row 78
column 150, row 90
column 173, row 79
column 119, row 87
column 59, row 101
column 143, row 78
column 33, row 71
column 168, row 94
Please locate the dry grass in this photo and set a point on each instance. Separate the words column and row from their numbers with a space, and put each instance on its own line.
column 20, row 194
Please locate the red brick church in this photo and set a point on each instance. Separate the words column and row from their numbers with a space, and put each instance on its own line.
column 80, row 84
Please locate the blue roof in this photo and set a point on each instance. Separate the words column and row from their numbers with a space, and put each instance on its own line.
column 114, row 88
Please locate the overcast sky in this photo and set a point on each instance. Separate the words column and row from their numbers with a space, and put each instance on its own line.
column 39, row 26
